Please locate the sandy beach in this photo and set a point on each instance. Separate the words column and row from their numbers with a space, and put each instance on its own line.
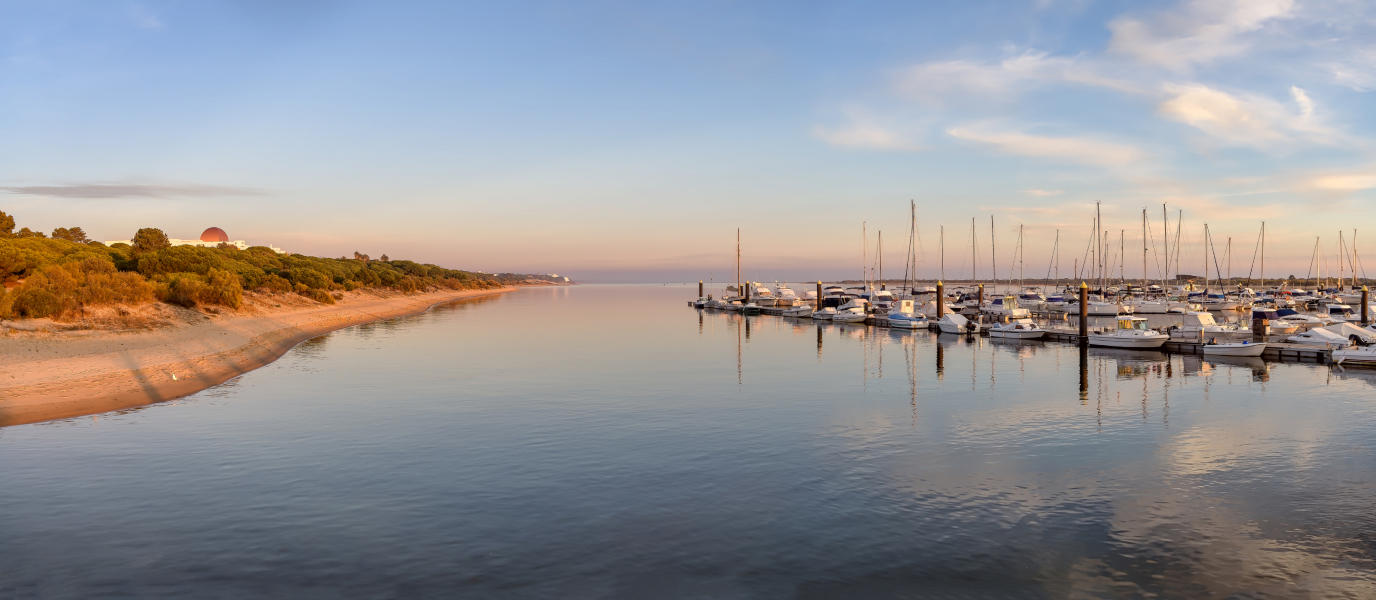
column 53, row 371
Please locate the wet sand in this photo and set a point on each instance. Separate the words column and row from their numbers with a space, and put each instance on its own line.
column 56, row 375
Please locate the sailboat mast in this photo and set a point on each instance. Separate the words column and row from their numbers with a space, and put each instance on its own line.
column 993, row 252
column 1057, row 249
column 1144, row 250
column 974, row 272
column 942, row 237
column 1166, row 240
column 1230, row 262
column 1122, row 258
column 1022, row 261
column 1263, row 256
column 1206, row 261
column 738, row 261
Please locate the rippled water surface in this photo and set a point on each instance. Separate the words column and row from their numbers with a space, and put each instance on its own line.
column 610, row 442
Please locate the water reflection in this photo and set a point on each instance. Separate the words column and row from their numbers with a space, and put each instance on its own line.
column 483, row 454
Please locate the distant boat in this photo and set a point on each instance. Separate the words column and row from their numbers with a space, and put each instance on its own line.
column 1365, row 355
column 854, row 314
column 904, row 320
column 801, row 310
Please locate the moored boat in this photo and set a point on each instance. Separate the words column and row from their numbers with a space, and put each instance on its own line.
column 1023, row 329
column 1238, row 349
column 1130, row 332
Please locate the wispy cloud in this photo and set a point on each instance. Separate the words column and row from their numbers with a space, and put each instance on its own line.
column 1079, row 150
column 1043, row 192
column 861, row 132
column 1246, row 119
column 129, row 190
column 1199, row 31
column 943, row 82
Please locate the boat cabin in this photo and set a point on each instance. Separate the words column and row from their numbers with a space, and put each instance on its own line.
column 1137, row 323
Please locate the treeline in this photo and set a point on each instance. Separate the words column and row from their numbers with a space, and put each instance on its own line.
column 61, row 275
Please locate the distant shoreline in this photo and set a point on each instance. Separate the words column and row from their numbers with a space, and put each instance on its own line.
column 57, row 376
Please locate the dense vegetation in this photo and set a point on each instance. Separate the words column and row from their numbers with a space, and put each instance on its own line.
column 64, row 273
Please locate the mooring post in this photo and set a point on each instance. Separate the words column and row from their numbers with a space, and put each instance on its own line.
column 747, row 293
column 940, row 300
column 699, row 288
column 979, row 302
column 819, row 295
column 1366, row 306
column 1084, row 314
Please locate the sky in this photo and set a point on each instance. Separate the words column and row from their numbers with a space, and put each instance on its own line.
column 616, row 141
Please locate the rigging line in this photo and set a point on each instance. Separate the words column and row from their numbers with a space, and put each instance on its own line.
column 1255, row 252
column 1151, row 235
column 1055, row 248
column 1311, row 259
column 1357, row 256
column 1211, row 251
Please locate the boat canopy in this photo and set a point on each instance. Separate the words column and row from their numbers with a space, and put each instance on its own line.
column 1285, row 312
column 1273, row 315
column 1199, row 318
column 1348, row 330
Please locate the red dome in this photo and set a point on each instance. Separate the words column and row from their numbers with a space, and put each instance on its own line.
column 214, row 234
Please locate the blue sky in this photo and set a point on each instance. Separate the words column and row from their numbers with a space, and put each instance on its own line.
column 626, row 141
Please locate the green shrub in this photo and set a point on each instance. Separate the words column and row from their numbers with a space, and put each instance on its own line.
column 309, row 277
column 320, row 296
column 35, row 303
column 6, row 304
column 182, row 289
column 223, row 288
column 274, row 283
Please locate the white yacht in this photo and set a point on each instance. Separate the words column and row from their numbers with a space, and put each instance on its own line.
column 784, row 296
column 1023, row 329
column 798, row 310
column 761, row 296
column 1342, row 313
column 853, row 314
column 824, row 314
column 1007, row 306
column 1131, row 332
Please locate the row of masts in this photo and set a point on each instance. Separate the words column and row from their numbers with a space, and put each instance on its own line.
column 1099, row 251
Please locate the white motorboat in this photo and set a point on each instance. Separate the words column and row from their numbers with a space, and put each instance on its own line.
column 1243, row 348
column 750, row 309
column 908, row 320
column 1352, row 332
column 800, row 310
column 1320, row 337
column 955, row 323
column 881, row 300
column 1303, row 321
column 761, row 296
column 1023, row 329
column 1131, row 332
column 824, row 315
column 701, row 302
column 1363, row 355
column 854, row 314
column 734, row 305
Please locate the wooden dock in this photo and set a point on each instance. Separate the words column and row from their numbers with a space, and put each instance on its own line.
column 1276, row 350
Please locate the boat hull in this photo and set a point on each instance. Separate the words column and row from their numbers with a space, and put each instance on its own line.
column 1234, row 349
column 1019, row 335
column 1114, row 341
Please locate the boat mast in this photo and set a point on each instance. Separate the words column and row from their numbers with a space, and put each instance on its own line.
column 864, row 256
column 993, row 252
column 1098, row 248
column 1206, row 261
column 974, row 272
column 1122, row 258
column 1166, row 241
column 1230, row 262
column 1263, row 256
column 738, row 261
column 1022, row 263
column 942, row 237
column 1144, row 251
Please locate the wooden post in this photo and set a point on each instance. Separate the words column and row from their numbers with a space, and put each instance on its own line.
column 1084, row 313
column 746, row 294
column 819, row 295
column 1366, row 306
column 980, row 297
column 699, row 288
column 940, row 300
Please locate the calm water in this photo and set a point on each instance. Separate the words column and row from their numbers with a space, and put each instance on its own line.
column 609, row 442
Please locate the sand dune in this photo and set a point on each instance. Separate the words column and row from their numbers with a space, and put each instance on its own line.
column 56, row 374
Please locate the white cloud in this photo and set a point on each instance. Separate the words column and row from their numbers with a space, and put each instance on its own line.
column 941, row 81
column 864, row 134
column 1043, row 192
column 1200, row 31
column 1070, row 149
column 1245, row 119
column 1345, row 182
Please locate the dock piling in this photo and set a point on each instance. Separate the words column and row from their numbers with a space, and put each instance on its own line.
column 819, row 295
column 700, row 288
column 1084, row 314
column 1366, row 306
column 940, row 300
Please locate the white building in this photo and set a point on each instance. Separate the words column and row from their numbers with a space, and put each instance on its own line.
column 210, row 238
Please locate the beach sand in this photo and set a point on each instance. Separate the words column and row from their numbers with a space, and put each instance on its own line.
column 48, row 373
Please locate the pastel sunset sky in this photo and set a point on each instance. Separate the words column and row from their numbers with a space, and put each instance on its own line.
column 626, row 141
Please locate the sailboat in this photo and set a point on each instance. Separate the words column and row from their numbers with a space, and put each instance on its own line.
column 903, row 315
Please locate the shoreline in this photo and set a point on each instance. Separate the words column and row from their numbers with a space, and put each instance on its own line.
column 50, row 376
